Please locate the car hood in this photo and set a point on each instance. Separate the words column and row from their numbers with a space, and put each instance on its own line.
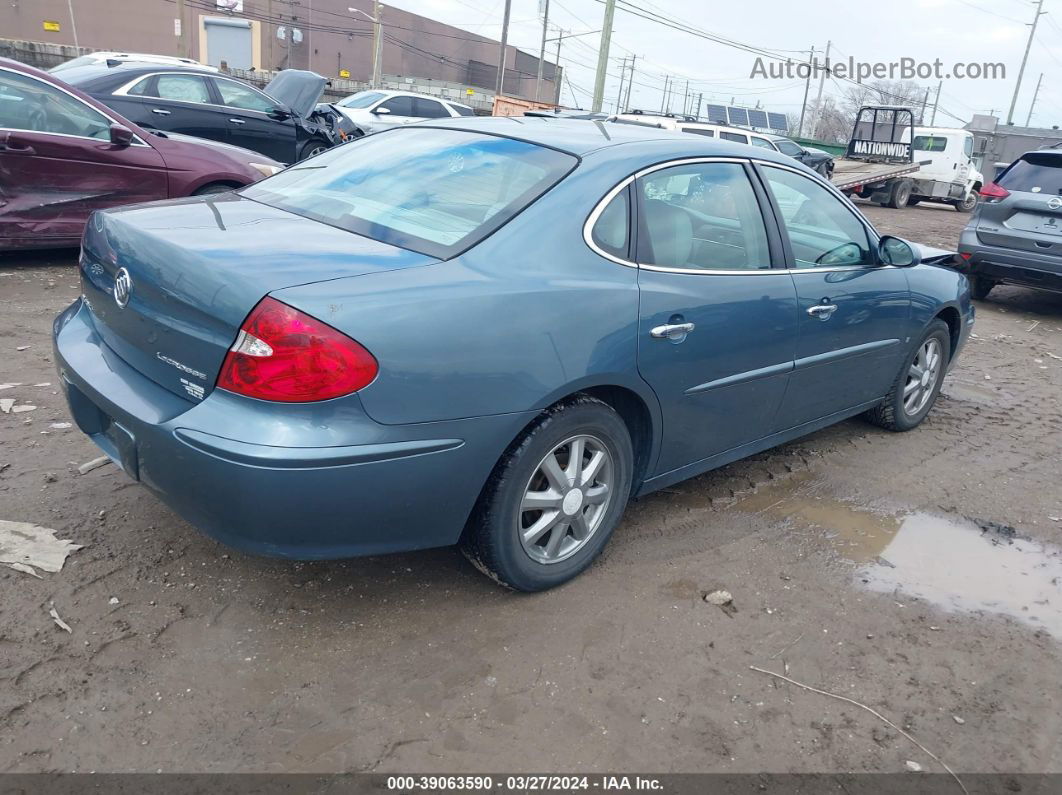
column 298, row 89
column 931, row 255
column 818, row 152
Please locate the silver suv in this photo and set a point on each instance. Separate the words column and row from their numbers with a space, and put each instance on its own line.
column 1015, row 235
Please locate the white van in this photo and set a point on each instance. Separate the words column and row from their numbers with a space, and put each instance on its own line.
column 680, row 124
column 950, row 176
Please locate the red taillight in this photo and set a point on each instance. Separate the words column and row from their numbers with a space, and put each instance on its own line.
column 284, row 355
column 994, row 191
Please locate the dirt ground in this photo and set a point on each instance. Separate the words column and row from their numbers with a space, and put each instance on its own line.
column 187, row 656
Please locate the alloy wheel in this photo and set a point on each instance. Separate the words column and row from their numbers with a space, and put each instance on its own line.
column 922, row 377
column 566, row 499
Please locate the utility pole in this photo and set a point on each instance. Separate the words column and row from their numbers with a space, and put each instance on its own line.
column 807, row 88
column 1035, row 97
column 700, row 99
column 922, row 115
column 377, row 56
column 818, row 98
column 542, row 53
column 627, row 99
column 663, row 99
column 182, row 39
column 1024, row 60
column 602, row 55
column 500, row 86
column 936, row 101
column 557, row 68
column 623, row 78
column 686, row 99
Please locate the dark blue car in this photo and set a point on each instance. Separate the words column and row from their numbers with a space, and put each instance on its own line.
column 490, row 332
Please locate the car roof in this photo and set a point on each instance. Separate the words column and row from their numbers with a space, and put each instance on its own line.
column 391, row 93
column 580, row 137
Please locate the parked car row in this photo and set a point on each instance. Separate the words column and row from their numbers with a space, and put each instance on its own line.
column 815, row 159
column 64, row 155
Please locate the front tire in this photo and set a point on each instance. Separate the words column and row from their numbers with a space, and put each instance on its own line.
column 917, row 385
column 312, row 147
column 215, row 187
column 554, row 498
column 967, row 204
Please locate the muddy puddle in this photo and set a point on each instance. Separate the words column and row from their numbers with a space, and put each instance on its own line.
column 951, row 562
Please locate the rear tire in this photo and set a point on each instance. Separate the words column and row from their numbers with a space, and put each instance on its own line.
column 901, row 194
column 917, row 385
column 980, row 287
column 532, row 548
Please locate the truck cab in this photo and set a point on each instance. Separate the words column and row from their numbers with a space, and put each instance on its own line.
column 947, row 174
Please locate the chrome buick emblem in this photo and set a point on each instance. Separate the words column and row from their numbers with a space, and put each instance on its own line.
column 1055, row 204
column 123, row 287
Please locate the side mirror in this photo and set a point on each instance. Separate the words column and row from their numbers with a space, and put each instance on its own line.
column 121, row 135
column 381, row 111
column 898, row 252
column 279, row 112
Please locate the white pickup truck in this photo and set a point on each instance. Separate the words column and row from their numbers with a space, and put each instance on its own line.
column 950, row 176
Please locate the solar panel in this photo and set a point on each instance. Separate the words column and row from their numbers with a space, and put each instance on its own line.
column 717, row 114
column 758, row 118
column 777, row 121
column 738, row 115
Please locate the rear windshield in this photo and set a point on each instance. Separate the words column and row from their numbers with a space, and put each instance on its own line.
column 429, row 190
column 1034, row 173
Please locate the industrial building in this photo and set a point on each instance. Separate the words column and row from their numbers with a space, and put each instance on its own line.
column 325, row 36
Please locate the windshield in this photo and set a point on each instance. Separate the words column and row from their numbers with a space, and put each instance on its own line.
column 429, row 190
column 361, row 100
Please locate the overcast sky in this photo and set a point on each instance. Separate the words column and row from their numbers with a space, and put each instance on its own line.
column 952, row 30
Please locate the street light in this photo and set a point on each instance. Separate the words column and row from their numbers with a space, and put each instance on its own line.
column 377, row 39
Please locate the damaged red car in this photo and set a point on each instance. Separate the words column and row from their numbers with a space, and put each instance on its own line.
column 63, row 155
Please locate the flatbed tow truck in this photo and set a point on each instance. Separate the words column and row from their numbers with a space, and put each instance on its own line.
column 879, row 162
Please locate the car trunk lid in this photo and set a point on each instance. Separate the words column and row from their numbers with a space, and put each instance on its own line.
column 169, row 284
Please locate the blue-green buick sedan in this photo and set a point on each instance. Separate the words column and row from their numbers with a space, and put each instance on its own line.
column 490, row 333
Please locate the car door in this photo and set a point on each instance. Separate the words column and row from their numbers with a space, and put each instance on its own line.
column 393, row 112
column 249, row 124
column 58, row 164
column 854, row 313
column 183, row 103
column 718, row 323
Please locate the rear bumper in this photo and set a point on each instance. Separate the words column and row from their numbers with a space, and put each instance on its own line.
column 371, row 489
column 1025, row 268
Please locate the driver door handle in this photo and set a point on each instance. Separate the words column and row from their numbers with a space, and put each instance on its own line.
column 237, row 121
column 671, row 330
column 160, row 111
column 822, row 311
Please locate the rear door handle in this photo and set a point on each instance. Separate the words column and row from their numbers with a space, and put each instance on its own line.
column 822, row 311
column 8, row 144
column 160, row 111
column 237, row 121
column 671, row 331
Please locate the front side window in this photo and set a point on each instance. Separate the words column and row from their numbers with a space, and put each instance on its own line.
column 611, row 232
column 822, row 231
column 789, row 148
column 183, row 88
column 967, row 146
column 429, row 190
column 702, row 216
column 240, row 96
column 32, row 105
column 463, row 110
column 735, row 137
column 399, row 106
column 763, row 143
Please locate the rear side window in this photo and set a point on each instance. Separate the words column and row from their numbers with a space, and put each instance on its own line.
column 611, row 233
column 699, row 131
column 735, row 137
column 930, row 143
column 185, row 88
column 399, row 106
column 432, row 191
column 428, row 109
column 1034, row 172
